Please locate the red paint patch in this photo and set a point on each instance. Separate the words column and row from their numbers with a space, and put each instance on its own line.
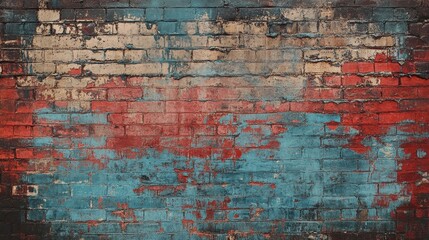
column 75, row 71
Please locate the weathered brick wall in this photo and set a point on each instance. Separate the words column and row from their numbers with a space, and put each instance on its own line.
column 214, row 119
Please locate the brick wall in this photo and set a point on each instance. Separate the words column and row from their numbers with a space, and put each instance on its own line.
column 214, row 119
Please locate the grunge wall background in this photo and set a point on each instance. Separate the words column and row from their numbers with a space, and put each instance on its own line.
column 220, row 119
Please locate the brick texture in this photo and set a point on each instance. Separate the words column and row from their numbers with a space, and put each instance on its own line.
column 214, row 119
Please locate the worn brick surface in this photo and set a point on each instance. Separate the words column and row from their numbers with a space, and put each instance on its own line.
column 214, row 119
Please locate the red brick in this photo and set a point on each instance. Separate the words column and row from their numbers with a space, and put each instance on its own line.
column 323, row 93
column 6, row 154
column 175, row 142
column 146, row 107
column 396, row 117
column 414, row 81
column 423, row 92
column 365, row 67
column 7, row 83
column 126, row 118
column 22, row 131
column 6, row 131
column 12, row 68
column 170, row 130
column 360, row 119
column 24, row 153
column 160, row 118
column 42, row 131
column 7, row 106
column 185, row 131
column 124, row 93
column 362, row 93
column 306, row 106
column 381, row 57
column 421, row 55
column 270, row 107
column 387, row 67
column 399, row 93
column 351, row 67
column 347, row 107
column 414, row 105
column 16, row 119
column 389, row 81
column 207, row 130
column 227, row 129
column 107, row 130
column 143, row 130
column 192, row 118
column 311, row 93
column 332, row 81
column 352, row 80
column 422, row 117
column 8, row 94
column 409, row 67
column 331, row 93
column 104, row 106
column 32, row 106
column 374, row 130
column 385, row 106
column 182, row 106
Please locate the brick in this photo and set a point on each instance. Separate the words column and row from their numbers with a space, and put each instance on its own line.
column 113, row 107
column 126, row 118
column 143, row 130
column 395, row 117
column 146, row 69
column 53, row 118
column 351, row 67
column 24, row 153
column 342, row 107
column 352, row 80
column 387, row 67
column 389, row 81
column 9, row 94
column 157, row 118
column 16, row 119
column 128, row 28
column 125, row 14
column 87, row 215
column 321, row 67
column 45, row 15
column 362, row 93
column 89, row 118
column 365, row 67
column 422, row 55
column 87, row 55
column 90, row 14
column 117, row 115
column 399, row 93
column 211, row 55
column 107, row 130
column 146, row 107
column 124, row 93
column 385, row 106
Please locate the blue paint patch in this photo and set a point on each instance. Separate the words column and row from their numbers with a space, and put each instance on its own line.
column 90, row 142
column 89, row 118
column 288, row 180
column 125, row 14
column 43, row 142
column 54, row 118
